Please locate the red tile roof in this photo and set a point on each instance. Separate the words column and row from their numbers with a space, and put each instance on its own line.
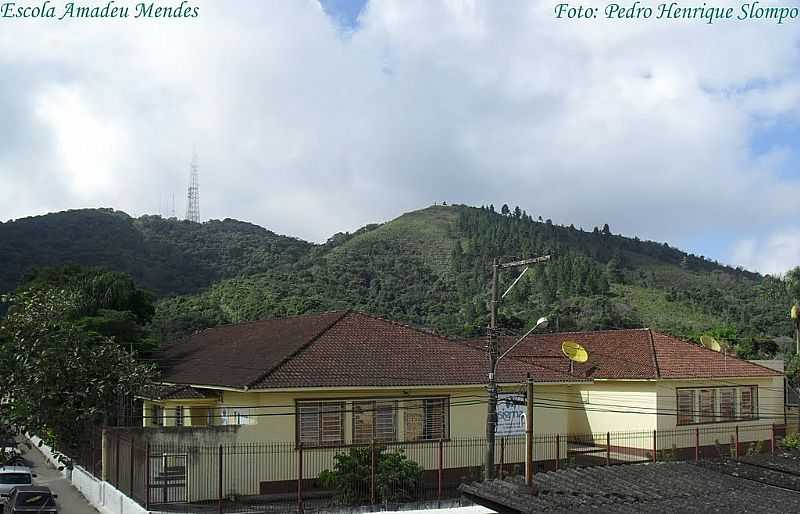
column 350, row 349
column 633, row 354
column 340, row 349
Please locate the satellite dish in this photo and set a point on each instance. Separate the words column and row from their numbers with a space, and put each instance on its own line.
column 710, row 343
column 574, row 352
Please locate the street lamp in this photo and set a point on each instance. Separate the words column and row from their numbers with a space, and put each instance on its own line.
column 491, row 414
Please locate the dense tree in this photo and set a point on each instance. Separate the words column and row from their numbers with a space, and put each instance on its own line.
column 60, row 376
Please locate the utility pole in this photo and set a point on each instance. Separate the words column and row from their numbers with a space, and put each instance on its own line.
column 529, row 433
column 491, row 414
column 795, row 315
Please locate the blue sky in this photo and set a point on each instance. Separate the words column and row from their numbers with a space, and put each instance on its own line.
column 312, row 118
column 344, row 12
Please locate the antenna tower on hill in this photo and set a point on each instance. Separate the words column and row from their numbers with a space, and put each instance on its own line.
column 193, row 194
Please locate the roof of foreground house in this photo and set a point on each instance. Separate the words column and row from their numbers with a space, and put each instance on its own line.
column 636, row 488
column 335, row 349
column 634, row 354
column 352, row 349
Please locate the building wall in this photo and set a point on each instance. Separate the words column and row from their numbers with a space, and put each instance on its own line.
column 266, row 451
column 614, row 406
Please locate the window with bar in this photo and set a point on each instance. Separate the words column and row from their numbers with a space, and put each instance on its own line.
column 374, row 421
column 686, row 406
column 157, row 413
column 716, row 404
column 179, row 416
column 427, row 419
column 748, row 402
column 727, row 404
column 320, row 423
column 708, row 399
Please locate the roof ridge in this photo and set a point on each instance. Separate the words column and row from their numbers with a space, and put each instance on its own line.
column 655, row 355
column 278, row 318
column 300, row 349
column 727, row 355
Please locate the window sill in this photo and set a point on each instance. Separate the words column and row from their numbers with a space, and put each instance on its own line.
column 721, row 422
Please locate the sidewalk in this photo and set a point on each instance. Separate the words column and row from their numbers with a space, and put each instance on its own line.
column 69, row 501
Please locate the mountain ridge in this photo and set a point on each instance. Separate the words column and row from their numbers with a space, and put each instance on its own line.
column 428, row 267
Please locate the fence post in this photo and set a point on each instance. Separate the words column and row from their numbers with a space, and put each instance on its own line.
column 300, row 478
column 558, row 451
column 608, row 448
column 116, row 462
column 441, row 468
column 655, row 447
column 502, row 456
column 696, row 444
column 737, row 441
column 220, row 480
column 372, row 472
column 147, row 476
column 104, row 455
column 772, row 441
column 132, row 457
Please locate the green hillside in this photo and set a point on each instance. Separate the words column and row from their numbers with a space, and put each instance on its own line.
column 166, row 256
column 429, row 267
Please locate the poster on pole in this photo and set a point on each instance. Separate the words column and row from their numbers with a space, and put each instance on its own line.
column 510, row 414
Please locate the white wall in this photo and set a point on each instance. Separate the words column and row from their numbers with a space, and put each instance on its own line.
column 102, row 495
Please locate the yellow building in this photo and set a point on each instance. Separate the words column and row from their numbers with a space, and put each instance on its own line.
column 327, row 381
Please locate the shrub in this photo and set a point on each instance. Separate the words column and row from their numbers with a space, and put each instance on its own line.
column 396, row 477
column 791, row 441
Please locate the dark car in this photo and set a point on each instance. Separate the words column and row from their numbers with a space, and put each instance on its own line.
column 31, row 498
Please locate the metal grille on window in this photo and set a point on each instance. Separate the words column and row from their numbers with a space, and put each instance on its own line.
column 321, row 424
column 747, row 402
column 158, row 415
column 727, row 404
column 435, row 419
column 707, row 401
column 179, row 416
column 374, row 421
column 686, row 406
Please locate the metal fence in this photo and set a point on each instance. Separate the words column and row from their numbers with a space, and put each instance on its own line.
column 280, row 477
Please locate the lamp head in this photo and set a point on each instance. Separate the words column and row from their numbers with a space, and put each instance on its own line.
column 542, row 323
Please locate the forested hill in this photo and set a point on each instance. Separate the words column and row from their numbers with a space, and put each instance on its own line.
column 429, row 267
column 166, row 256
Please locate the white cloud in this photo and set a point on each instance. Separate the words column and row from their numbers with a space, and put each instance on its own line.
column 646, row 126
column 775, row 253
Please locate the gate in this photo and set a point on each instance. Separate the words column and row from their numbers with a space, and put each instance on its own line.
column 168, row 481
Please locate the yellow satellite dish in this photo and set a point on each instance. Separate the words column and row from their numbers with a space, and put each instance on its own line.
column 795, row 311
column 574, row 352
column 710, row 343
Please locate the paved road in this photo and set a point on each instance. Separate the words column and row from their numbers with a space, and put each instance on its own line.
column 69, row 501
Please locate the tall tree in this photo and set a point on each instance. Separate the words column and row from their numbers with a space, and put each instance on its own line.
column 62, row 377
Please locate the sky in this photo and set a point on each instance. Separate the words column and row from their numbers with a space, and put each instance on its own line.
column 314, row 118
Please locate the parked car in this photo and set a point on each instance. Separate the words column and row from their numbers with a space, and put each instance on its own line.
column 10, row 455
column 14, row 476
column 39, row 499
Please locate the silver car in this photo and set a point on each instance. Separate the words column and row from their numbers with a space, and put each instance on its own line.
column 14, row 476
